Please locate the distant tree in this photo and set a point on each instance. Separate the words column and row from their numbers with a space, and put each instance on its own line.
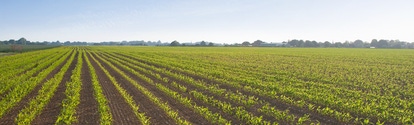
column 210, row 44
column 203, row 43
column 326, row 44
column 314, row 43
column 12, row 41
column 246, row 43
column 358, row 43
column 257, row 43
column 67, row 43
column 374, row 43
column 301, row 43
column 293, row 43
column 383, row 43
column 338, row 44
column 174, row 43
column 308, row 43
column 21, row 41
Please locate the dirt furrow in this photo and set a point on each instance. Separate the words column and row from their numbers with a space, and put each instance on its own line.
column 9, row 117
column 51, row 111
column 278, row 104
column 121, row 112
column 87, row 111
column 156, row 114
column 186, row 94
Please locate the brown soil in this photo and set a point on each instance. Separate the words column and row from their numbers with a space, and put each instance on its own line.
column 156, row 114
column 187, row 95
column 87, row 112
column 51, row 111
column 120, row 110
column 9, row 117
column 278, row 104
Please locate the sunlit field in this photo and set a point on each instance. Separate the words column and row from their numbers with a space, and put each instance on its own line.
column 207, row 85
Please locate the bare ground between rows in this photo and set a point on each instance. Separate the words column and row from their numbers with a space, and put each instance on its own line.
column 87, row 111
column 121, row 112
column 9, row 117
column 192, row 115
column 278, row 104
column 187, row 95
column 155, row 113
column 51, row 111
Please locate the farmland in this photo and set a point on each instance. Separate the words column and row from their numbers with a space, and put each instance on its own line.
column 207, row 85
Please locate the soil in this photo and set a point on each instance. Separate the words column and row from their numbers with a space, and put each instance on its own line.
column 157, row 115
column 120, row 110
column 51, row 111
column 122, row 113
column 197, row 102
column 87, row 111
column 278, row 104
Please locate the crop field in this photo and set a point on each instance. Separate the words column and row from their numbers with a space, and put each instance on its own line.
column 207, row 85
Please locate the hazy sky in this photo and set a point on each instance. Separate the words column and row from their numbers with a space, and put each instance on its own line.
column 220, row 21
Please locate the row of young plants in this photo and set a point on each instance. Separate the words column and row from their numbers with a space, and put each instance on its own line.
column 127, row 97
column 364, row 101
column 13, row 69
column 214, row 118
column 163, row 105
column 248, row 83
column 72, row 92
column 10, row 82
column 36, row 105
column 200, row 84
column 236, row 97
column 103, row 108
column 312, row 94
column 24, row 87
column 341, row 116
column 15, row 60
column 292, row 118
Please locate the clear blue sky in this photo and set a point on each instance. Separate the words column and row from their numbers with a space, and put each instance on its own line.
column 220, row 21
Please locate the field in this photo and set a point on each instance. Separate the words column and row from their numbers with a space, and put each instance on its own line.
column 203, row 85
column 24, row 48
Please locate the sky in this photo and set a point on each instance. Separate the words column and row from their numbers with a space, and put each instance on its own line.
column 218, row 21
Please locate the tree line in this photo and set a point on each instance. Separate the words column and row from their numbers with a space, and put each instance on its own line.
column 374, row 43
column 24, row 41
column 382, row 43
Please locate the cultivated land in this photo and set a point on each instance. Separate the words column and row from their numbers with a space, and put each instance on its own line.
column 195, row 85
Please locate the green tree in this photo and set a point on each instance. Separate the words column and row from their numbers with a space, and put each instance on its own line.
column 12, row 41
column 246, row 43
column 257, row 43
column 203, row 43
column 338, row 44
column 383, row 43
column 326, row 44
column 374, row 43
column 22, row 41
column 175, row 43
column 210, row 44
column 358, row 43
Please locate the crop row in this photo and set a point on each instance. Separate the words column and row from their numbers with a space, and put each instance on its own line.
column 214, row 85
column 306, row 90
column 236, row 97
